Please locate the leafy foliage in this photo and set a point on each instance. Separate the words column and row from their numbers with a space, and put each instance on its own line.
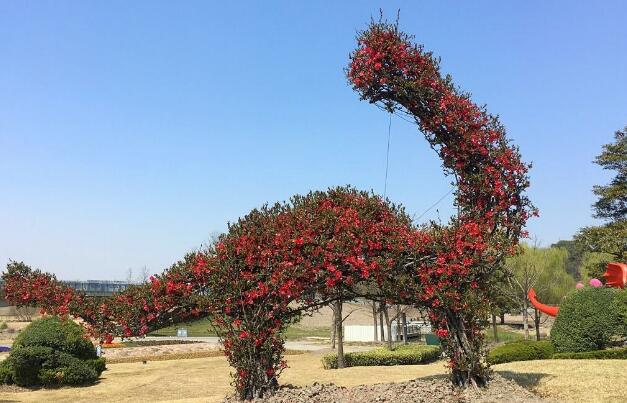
column 612, row 203
column 521, row 351
column 593, row 265
column 609, row 354
column 587, row 321
column 52, row 352
column 610, row 238
column 575, row 257
column 60, row 335
column 543, row 269
column 401, row 355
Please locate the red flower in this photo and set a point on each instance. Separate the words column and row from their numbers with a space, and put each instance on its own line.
column 442, row 333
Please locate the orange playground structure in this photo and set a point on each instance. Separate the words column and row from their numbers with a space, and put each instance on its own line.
column 615, row 276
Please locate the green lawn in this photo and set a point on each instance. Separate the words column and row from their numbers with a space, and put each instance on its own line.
column 201, row 328
column 505, row 336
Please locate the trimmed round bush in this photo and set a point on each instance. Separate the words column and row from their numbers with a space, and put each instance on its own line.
column 401, row 355
column 521, row 351
column 588, row 320
column 26, row 363
column 52, row 352
column 60, row 335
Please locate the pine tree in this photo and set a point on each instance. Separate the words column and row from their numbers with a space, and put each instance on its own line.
column 609, row 239
column 612, row 203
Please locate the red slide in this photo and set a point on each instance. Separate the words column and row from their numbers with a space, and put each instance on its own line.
column 616, row 275
column 548, row 309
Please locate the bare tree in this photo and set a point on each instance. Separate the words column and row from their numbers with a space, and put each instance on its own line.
column 143, row 275
column 543, row 269
column 129, row 275
column 389, row 318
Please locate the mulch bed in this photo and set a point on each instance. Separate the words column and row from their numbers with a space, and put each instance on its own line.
column 424, row 390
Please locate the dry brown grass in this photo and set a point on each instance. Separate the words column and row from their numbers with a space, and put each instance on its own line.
column 571, row 380
column 207, row 380
column 179, row 356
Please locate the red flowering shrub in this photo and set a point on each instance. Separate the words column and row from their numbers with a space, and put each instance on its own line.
column 281, row 261
column 168, row 297
column 455, row 264
column 272, row 265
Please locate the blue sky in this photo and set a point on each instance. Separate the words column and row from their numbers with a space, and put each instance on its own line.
column 132, row 131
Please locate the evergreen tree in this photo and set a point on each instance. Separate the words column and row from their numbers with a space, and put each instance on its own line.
column 609, row 239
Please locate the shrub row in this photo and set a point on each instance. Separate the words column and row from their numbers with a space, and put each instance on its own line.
column 402, row 355
column 521, row 351
column 611, row 354
column 543, row 350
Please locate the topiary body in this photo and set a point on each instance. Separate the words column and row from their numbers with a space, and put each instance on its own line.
column 588, row 320
column 52, row 352
column 60, row 335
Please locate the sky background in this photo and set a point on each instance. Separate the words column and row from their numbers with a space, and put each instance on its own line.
column 130, row 132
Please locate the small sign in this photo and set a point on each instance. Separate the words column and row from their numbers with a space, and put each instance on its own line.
column 181, row 332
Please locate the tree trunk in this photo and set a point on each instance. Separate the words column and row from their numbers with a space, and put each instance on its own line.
column 536, row 321
column 333, row 326
column 525, row 314
column 502, row 318
column 388, row 328
column 496, row 333
column 374, row 321
column 399, row 329
column 340, row 336
column 404, row 319
column 381, row 306
column 468, row 368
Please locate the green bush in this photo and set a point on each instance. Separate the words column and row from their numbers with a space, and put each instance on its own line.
column 587, row 321
column 98, row 365
column 60, row 335
column 79, row 373
column 51, row 352
column 521, row 351
column 26, row 363
column 610, row 354
column 6, row 372
column 401, row 355
column 620, row 304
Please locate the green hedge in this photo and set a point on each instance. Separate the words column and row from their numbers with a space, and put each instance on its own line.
column 588, row 320
column 521, row 351
column 610, row 354
column 401, row 355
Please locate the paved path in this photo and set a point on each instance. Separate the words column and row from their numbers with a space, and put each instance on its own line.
column 291, row 345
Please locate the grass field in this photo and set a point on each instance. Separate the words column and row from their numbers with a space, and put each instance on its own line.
column 207, row 380
column 505, row 336
column 201, row 328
